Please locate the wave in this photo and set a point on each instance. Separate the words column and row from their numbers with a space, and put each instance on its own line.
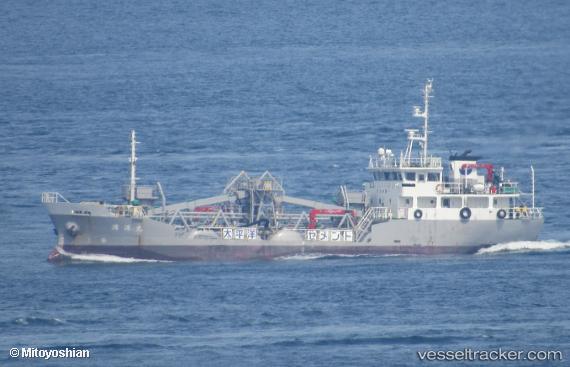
column 125, row 346
column 301, row 257
column 402, row 340
column 102, row 258
column 319, row 256
column 525, row 246
column 39, row 321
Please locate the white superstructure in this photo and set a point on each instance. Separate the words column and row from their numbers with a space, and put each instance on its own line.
column 415, row 187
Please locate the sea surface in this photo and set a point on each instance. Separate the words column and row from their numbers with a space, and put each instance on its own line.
column 307, row 90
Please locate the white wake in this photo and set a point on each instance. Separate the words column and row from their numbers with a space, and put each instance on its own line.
column 102, row 258
column 317, row 256
column 301, row 257
column 525, row 246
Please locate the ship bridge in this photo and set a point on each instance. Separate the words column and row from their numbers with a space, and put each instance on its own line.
column 412, row 184
column 385, row 160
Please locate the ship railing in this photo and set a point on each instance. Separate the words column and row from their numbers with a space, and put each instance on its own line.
column 428, row 162
column 194, row 215
column 523, row 212
column 195, row 219
column 393, row 162
column 450, row 188
column 380, row 213
column 296, row 221
column 508, row 188
column 219, row 219
column 53, row 197
column 127, row 211
column 459, row 188
column 209, row 215
column 371, row 215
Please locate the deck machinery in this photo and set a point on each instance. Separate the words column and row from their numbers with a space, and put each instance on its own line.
column 413, row 204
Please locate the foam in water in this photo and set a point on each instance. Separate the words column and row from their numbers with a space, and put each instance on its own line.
column 525, row 246
column 102, row 258
column 300, row 257
column 317, row 256
column 38, row 321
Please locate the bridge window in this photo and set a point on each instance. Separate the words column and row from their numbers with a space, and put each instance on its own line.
column 432, row 176
column 410, row 176
column 389, row 176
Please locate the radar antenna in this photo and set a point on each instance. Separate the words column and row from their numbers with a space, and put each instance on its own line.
column 133, row 160
column 425, row 115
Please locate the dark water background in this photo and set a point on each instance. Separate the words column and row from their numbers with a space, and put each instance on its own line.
column 307, row 90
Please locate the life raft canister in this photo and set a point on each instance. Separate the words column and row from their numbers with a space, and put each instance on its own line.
column 501, row 214
column 418, row 214
column 465, row 213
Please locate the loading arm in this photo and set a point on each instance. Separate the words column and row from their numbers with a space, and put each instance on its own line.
column 191, row 205
column 309, row 203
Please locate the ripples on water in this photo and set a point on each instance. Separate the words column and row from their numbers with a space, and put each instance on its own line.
column 308, row 91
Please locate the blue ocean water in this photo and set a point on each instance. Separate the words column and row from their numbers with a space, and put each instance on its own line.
column 307, row 90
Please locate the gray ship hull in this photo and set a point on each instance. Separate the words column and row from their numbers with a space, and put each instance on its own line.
column 410, row 207
column 150, row 239
column 237, row 253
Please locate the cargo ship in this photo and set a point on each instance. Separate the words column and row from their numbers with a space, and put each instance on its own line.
column 413, row 204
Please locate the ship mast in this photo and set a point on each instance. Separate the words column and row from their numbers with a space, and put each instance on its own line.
column 133, row 160
column 425, row 115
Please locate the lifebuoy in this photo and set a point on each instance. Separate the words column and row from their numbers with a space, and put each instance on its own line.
column 439, row 188
column 418, row 214
column 502, row 214
column 465, row 213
